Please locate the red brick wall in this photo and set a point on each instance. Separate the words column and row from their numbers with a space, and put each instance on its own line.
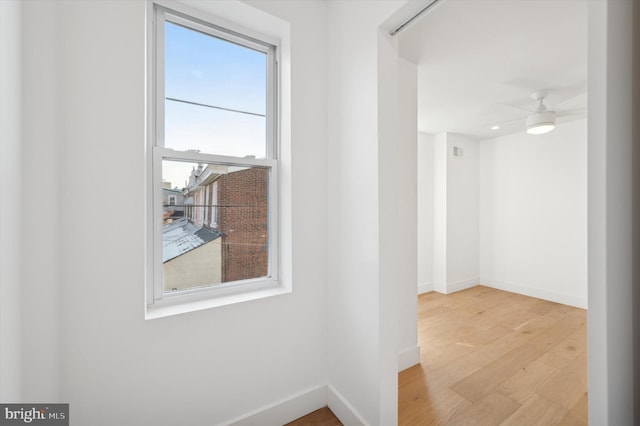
column 243, row 219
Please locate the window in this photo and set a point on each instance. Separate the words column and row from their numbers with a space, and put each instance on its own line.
column 213, row 146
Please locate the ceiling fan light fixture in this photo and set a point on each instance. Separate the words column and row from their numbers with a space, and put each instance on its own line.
column 541, row 123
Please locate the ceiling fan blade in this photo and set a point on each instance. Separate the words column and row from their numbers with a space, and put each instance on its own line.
column 520, row 109
column 570, row 112
column 567, row 94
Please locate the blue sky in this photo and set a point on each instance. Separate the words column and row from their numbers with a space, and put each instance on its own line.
column 204, row 69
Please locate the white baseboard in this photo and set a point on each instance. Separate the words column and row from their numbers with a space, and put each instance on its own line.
column 462, row 285
column 342, row 409
column 299, row 405
column 425, row 288
column 408, row 358
column 285, row 410
column 565, row 299
column 448, row 288
column 440, row 288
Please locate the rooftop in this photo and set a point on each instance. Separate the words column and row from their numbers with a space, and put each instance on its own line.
column 181, row 236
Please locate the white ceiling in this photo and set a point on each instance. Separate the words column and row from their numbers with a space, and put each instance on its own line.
column 475, row 57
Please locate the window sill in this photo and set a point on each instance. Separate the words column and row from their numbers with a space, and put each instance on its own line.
column 167, row 310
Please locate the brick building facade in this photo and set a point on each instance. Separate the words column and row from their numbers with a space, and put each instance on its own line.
column 234, row 203
column 243, row 217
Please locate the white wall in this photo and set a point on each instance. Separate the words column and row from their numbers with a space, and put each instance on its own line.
column 229, row 363
column 397, row 103
column 362, row 303
column 455, row 213
column 193, row 361
column 10, row 194
column 440, row 212
column 425, row 166
column 88, row 147
column 404, row 223
column 41, row 205
column 462, row 213
column 508, row 224
column 533, row 215
column 613, row 288
column 353, row 322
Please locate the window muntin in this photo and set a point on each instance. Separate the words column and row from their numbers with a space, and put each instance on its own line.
column 214, row 141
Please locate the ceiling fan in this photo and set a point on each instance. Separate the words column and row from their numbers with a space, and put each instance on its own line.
column 543, row 120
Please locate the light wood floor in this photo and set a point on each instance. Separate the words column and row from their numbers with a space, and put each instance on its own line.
column 490, row 357
column 323, row 416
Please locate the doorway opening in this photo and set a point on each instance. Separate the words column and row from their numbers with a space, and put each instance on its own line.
column 499, row 207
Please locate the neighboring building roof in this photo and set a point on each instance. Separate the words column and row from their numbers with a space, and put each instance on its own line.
column 180, row 237
column 174, row 190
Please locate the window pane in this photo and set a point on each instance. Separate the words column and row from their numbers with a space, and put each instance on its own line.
column 218, row 229
column 214, row 131
column 215, row 94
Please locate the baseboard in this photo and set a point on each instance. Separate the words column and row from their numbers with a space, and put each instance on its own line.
column 299, row 405
column 342, row 409
column 285, row 410
column 565, row 299
column 448, row 288
column 425, row 288
column 408, row 358
column 440, row 288
column 462, row 285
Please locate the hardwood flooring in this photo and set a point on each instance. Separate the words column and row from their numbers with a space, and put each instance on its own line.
column 323, row 417
column 490, row 357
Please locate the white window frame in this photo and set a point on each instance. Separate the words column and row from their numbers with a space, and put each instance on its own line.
column 192, row 299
